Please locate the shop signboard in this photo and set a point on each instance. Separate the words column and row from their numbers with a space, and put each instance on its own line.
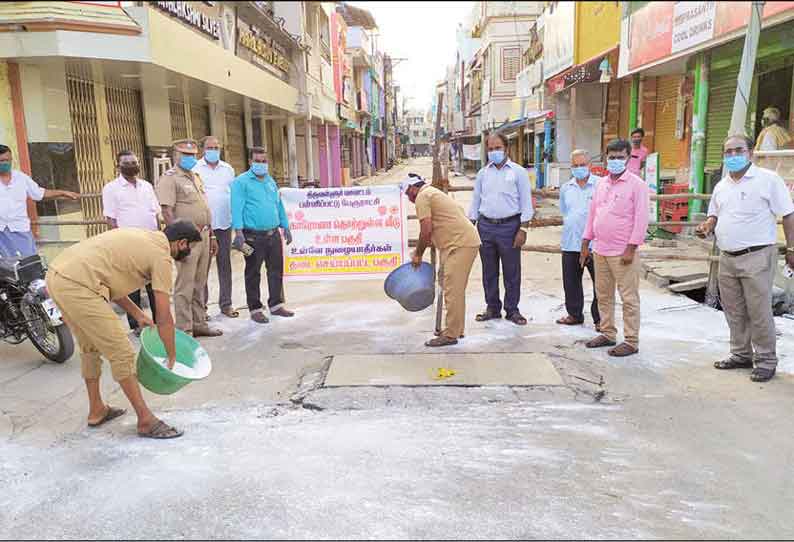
column 558, row 40
column 203, row 16
column 260, row 49
column 693, row 23
column 345, row 233
column 471, row 152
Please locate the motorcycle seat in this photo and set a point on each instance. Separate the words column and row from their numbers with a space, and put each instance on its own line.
column 10, row 267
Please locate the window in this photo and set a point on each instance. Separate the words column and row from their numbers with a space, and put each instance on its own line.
column 511, row 63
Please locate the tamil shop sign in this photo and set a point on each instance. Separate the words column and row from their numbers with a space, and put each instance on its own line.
column 190, row 13
column 661, row 30
column 263, row 50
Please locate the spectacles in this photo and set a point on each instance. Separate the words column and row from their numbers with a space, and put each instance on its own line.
column 736, row 151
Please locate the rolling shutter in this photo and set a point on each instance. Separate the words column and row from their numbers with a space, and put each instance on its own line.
column 665, row 142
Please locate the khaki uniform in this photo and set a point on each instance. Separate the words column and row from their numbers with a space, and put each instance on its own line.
column 85, row 277
column 184, row 192
column 458, row 243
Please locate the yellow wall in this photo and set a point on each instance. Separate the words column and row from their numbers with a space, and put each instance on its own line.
column 8, row 133
column 597, row 29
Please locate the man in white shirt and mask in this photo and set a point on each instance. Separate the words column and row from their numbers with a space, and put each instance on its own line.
column 218, row 176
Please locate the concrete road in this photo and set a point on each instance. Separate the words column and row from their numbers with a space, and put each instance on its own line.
column 673, row 448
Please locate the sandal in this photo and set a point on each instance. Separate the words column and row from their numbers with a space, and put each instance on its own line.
column 161, row 431
column 733, row 363
column 438, row 334
column 441, row 341
column 230, row 312
column 622, row 350
column 488, row 315
column 599, row 342
column 762, row 374
column 571, row 321
column 207, row 332
column 111, row 414
column 518, row 319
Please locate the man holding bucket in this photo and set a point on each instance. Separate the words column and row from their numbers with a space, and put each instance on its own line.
column 86, row 277
column 444, row 224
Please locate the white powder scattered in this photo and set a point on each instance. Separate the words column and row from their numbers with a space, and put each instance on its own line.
column 201, row 368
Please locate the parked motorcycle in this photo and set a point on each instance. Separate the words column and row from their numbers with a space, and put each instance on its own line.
column 26, row 310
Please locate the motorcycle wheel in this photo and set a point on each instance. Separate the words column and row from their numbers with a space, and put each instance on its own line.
column 54, row 342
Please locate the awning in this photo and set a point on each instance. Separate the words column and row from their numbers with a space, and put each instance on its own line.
column 587, row 72
column 513, row 125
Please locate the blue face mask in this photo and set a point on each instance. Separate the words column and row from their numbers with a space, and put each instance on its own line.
column 736, row 162
column 212, row 156
column 188, row 162
column 616, row 166
column 5, row 167
column 581, row 172
column 258, row 169
column 497, row 157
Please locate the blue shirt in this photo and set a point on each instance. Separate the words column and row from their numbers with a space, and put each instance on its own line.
column 574, row 206
column 500, row 193
column 256, row 204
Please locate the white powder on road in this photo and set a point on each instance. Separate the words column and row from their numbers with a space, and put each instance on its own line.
column 201, row 367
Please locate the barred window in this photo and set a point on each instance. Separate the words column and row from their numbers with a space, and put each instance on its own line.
column 511, row 63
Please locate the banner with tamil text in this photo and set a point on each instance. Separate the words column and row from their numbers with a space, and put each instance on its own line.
column 344, row 233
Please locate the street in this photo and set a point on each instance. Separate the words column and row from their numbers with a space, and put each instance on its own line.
column 667, row 447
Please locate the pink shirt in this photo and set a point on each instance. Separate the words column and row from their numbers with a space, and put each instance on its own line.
column 635, row 160
column 618, row 214
column 131, row 205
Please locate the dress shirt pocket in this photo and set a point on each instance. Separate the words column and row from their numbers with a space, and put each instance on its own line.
column 620, row 204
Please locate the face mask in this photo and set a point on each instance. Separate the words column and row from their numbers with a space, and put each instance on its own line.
column 616, row 166
column 259, row 169
column 188, row 161
column 581, row 172
column 5, row 167
column 182, row 254
column 130, row 171
column 212, row 156
column 736, row 162
column 497, row 157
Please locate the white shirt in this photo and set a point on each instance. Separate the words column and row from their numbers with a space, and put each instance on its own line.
column 14, row 201
column 217, row 182
column 747, row 210
column 131, row 205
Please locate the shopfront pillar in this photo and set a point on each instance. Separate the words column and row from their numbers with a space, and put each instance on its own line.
column 292, row 154
column 697, row 159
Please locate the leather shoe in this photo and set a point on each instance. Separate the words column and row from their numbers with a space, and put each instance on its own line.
column 284, row 313
column 259, row 317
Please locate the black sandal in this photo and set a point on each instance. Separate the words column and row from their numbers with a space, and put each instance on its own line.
column 518, row 319
column 732, row 363
column 488, row 315
column 762, row 374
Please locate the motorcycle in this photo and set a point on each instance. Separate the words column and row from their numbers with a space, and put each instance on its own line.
column 27, row 312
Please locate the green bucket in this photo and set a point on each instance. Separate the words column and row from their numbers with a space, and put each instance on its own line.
column 157, row 378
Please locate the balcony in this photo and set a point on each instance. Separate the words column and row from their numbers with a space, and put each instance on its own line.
column 361, row 102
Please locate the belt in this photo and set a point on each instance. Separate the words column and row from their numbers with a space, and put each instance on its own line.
column 499, row 220
column 266, row 233
column 746, row 250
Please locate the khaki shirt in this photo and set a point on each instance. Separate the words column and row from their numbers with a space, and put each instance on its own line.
column 118, row 262
column 184, row 191
column 451, row 228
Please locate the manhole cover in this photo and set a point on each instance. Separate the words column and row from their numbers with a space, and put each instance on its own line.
column 528, row 369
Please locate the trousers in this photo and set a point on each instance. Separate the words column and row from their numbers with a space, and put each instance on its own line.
column 572, row 274
column 457, row 267
column 223, row 263
column 746, row 297
column 497, row 248
column 609, row 273
column 268, row 250
column 191, row 278
column 135, row 297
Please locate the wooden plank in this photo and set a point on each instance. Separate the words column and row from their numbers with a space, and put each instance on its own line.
column 690, row 285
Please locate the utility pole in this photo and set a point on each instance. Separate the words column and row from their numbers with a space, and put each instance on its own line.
column 438, row 182
column 745, row 81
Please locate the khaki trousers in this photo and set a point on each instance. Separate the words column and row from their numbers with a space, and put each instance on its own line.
column 746, row 296
column 98, row 330
column 191, row 278
column 610, row 272
column 457, row 267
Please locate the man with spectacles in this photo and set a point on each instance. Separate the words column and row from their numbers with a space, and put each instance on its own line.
column 130, row 202
column 743, row 214
column 257, row 215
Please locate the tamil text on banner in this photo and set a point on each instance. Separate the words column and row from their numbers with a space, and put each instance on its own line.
column 652, row 178
column 355, row 232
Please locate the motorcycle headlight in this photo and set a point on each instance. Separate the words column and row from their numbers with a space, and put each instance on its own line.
column 39, row 288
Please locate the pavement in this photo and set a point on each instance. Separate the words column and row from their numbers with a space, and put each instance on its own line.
column 655, row 445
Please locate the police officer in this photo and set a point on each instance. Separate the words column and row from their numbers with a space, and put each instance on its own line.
column 182, row 196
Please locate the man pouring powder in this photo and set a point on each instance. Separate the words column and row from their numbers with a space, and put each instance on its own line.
column 83, row 280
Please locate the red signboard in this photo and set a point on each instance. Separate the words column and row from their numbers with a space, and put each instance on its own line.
column 651, row 28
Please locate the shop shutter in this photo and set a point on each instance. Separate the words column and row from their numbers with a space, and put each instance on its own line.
column 665, row 142
column 234, row 148
column 722, row 90
column 125, row 117
column 199, row 121
column 178, row 120
column 87, row 148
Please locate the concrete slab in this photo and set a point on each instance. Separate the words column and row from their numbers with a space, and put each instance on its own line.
column 525, row 369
